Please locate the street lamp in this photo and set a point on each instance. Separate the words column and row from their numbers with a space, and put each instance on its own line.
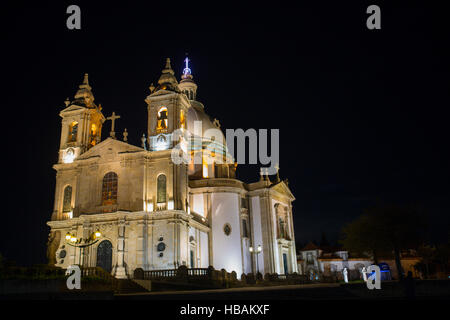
column 257, row 251
column 82, row 243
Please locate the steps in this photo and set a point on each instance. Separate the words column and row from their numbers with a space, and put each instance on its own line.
column 129, row 286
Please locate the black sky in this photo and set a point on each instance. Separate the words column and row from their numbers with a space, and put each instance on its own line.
column 363, row 114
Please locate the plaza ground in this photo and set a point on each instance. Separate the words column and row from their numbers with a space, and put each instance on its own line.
column 322, row 291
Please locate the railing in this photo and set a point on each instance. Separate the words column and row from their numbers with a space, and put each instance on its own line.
column 170, row 273
column 161, row 206
column 159, row 274
column 198, row 272
column 185, row 274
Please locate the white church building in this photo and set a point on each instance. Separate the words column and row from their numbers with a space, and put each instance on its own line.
column 122, row 207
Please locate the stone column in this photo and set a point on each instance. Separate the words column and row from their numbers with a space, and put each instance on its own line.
column 268, row 236
column 292, row 234
column 141, row 245
column 120, row 269
column 208, row 213
column 150, row 245
column 87, row 229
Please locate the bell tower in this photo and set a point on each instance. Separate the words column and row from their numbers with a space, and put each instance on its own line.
column 81, row 122
column 167, row 109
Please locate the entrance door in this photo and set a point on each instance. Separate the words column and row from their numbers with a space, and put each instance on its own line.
column 104, row 255
column 285, row 263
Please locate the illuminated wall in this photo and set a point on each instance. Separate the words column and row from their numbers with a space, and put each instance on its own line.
column 256, row 228
column 226, row 249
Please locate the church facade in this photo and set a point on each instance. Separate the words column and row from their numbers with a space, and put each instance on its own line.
column 151, row 212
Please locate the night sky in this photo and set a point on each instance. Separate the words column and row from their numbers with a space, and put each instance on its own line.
column 363, row 114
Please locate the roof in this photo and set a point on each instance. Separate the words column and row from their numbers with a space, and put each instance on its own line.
column 197, row 113
column 310, row 246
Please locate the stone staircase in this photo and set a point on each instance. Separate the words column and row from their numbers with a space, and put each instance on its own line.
column 128, row 286
column 116, row 285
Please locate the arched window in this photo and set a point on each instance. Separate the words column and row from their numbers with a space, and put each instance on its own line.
column 204, row 167
column 67, row 199
column 161, row 186
column 182, row 120
column 93, row 135
column 73, row 130
column 109, row 189
column 162, row 121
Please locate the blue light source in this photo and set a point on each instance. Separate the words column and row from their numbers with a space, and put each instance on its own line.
column 186, row 70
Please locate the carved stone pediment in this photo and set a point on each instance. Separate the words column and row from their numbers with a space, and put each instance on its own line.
column 109, row 149
column 283, row 189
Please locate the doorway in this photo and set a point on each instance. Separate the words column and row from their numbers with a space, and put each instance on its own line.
column 104, row 255
column 285, row 263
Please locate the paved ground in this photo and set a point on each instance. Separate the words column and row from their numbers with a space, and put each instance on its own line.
column 322, row 291
column 286, row 292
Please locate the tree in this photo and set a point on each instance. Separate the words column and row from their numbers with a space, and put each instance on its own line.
column 360, row 237
column 388, row 228
column 443, row 255
column 427, row 254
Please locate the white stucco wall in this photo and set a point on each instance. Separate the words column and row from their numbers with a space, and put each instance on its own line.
column 198, row 205
column 226, row 249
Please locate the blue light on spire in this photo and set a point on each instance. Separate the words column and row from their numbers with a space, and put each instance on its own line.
column 186, row 70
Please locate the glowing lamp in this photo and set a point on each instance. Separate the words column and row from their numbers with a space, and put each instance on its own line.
column 161, row 145
column 69, row 156
column 98, row 234
column 73, row 239
column 259, row 248
column 250, row 249
column 68, row 236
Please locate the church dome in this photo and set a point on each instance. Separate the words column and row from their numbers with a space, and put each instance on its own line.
column 196, row 113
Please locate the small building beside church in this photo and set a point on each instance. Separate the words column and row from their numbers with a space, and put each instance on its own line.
column 315, row 262
column 153, row 213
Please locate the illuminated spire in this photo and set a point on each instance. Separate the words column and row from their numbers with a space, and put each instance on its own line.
column 167, row 80
column 187, row 73
column 84, row 96
column 168, row 67
column 187, row 85
column 86, row 79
